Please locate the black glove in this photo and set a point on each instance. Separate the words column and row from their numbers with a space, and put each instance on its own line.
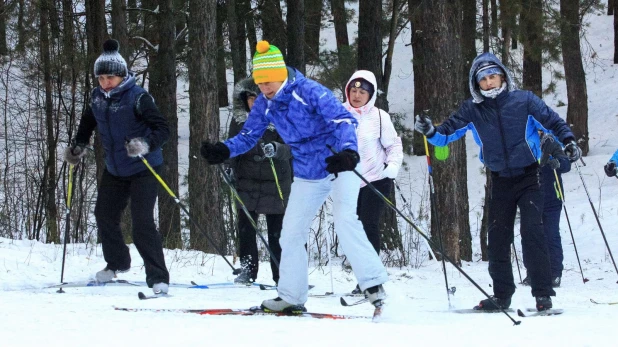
column 610, row 168
column 424, row 126
column 551, row 148
column 74, row 153
column 345, row 160
column 214, row 153
column 572, row 151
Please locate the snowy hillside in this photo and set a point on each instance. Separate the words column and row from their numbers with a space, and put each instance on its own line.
column 417, row 310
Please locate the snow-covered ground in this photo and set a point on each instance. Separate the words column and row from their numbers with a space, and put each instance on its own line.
column 417, row 311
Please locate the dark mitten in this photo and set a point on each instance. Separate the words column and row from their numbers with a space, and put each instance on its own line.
column 74, row 154
column 552, row 151
column 214, row 153
column 572, row 151
column 610, row 168
column 345, row 160
column 136, row 147
column 424, row 126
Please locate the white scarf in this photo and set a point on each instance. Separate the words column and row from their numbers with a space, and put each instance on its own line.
column 493, row 93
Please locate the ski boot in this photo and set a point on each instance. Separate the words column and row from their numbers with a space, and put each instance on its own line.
column 279, row 305
column 543, row 303
column 490, row 305
column 160, row 288
column 376, row 295
column 107, row 274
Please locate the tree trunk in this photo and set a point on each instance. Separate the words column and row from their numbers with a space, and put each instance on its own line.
column 239, row 62
column 162, row 87
column 96, row 32
column 51, row 211
column 341, row 23
column 248, row 14
column 313, row 13
column 615, row 32
column 577, row 93
column 441, row 65
column 296, row 35
column 468, row 40
column 21, row 26
column 485, row 25
column 508, row 17
column 610, row 7
column 273, row 26
column 222, row 96
column 204, row 183
column 3, row 17
column 119, row 28
column 532, row 38
column 494, row 18
column 388, row 62
column 419, row 38
column 370, row 44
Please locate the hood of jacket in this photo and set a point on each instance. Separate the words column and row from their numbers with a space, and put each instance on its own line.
column 477, row 97
column 369, row 77
column 126, row 84
column 239, row 104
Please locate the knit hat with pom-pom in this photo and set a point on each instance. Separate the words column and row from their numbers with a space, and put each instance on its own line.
column 268, row 64
column 110, row 62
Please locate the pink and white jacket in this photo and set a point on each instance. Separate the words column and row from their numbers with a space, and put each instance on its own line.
column 379, row 146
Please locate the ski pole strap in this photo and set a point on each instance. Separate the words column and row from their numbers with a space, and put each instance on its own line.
column 558, row 186
column 427, row 155
column 169, row 191
column 70, row 188
column 272, row 165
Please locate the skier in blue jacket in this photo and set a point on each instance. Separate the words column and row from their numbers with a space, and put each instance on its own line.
column 310, row 120
column 129, row 125
column 553, row 164
column 504, row 122
column 610, row 167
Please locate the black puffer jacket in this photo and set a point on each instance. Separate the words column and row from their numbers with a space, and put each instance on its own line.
column 255, row 181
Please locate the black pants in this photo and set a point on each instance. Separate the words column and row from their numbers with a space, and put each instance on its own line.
column 113, row 196
column 369, row 209
column 507, row 194
column 551, row 227
column 248, row 242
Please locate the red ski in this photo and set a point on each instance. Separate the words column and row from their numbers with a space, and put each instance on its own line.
column 253, row 311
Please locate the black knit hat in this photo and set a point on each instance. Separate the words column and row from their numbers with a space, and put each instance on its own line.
column 110, row 62
column 363, row 84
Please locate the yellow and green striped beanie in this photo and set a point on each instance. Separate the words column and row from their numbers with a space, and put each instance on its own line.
column 268, row 64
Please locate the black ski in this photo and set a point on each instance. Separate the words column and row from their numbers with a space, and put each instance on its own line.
column 603, row 303
column 473, row 310
column 143, row 296
column 271, row 287
column 353, row 303
column 532, row 312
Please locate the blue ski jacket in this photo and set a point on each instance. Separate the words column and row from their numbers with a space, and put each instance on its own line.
column 506, row 127
column 614, row 157
column 308, row 117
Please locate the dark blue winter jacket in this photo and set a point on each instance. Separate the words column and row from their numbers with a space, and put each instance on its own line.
column 124, row 113
column 505, row 127
column 308, row 117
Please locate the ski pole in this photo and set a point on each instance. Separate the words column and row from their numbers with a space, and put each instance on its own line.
column 566, row 214
column 517, row 262
column 434, row 209
column 272, row 166
column 594, row 211
column 405, row 202
column 67, row 224
column 199, row 228
column 244, row 208
column 396, row 210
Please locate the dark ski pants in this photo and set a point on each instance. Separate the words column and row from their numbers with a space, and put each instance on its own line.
column 551, row 227
column 369, row 209
column 113, row 196
column 507, row 194
column 248, row 244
